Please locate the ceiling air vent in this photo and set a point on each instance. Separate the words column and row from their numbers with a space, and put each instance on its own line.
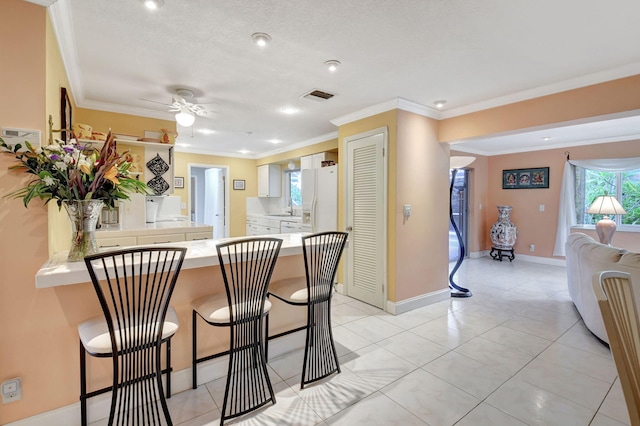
column 318, row 95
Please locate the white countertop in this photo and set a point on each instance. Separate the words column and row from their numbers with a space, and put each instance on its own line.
column 57, row 271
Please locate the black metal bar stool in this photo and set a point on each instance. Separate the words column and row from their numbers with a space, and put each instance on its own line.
column 246, row 266
column 134, row 288
column 322, row 254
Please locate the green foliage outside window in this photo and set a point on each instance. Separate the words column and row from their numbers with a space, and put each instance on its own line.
column 591, row 184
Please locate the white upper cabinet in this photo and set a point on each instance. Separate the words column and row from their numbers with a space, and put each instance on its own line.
column 269, row 180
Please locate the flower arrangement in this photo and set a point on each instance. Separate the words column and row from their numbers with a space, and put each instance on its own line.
column 68, row 171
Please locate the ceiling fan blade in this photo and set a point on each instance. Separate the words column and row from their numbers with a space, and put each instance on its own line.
column 156, row 102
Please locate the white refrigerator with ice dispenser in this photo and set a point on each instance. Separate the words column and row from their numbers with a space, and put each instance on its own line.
column 320, row 199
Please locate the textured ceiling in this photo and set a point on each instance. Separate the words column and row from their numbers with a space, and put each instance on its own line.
column 473, row 54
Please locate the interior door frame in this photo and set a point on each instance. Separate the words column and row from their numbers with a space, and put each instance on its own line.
column 385, row 186
column 227, row 209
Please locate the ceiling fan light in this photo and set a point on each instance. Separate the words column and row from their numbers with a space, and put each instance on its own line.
column 185, row 118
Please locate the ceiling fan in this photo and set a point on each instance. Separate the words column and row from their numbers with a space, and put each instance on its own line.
column 185, row 107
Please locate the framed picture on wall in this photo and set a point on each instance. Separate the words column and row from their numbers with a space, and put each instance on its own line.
column 178, row 182
column 238, row 184
column 525, row 178
column 65, row 115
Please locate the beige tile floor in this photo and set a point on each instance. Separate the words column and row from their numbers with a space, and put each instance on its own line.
column 516, row 353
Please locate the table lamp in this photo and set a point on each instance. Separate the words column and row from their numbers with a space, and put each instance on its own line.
column 606, row 205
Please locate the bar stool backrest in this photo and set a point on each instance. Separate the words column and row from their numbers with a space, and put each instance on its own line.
column 322, row 254
column 134, row 288
column 247, row 266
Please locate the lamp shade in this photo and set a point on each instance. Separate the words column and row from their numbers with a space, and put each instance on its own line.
column 185, row 118
column 606, row 205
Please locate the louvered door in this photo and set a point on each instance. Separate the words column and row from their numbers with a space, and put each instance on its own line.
column 365, row 219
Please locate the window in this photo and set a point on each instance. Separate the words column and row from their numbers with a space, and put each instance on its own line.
column 624, row 185
column 293, row 188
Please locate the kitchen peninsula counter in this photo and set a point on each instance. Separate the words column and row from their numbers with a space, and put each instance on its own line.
column 58, row 272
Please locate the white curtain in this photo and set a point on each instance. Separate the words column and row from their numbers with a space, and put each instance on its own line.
column 567, row 204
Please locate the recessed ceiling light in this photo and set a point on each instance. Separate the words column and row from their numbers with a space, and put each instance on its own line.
column 153, row 4
column 206, row 131
column 332, row 65
column 440, row 103
column 288, row 110
column 244, row 151
column 261, row 39
column 274, row 141
column 546, row 138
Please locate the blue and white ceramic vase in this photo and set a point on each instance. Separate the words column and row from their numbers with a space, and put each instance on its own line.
column 504, row 232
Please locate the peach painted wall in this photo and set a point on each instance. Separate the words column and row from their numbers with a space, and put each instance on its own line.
column 24, row 342
column 239, row 168
column 422, row 180
column 600, row 99
column 534, row 226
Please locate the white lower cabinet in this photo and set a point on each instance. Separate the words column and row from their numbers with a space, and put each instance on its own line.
column 261, row 226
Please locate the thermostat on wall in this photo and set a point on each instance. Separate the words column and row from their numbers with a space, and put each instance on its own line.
column 13, row 136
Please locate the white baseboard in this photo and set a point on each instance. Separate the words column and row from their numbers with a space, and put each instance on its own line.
column 542, row 260
column 407, row 305
column 98, row 406
column 478, row 254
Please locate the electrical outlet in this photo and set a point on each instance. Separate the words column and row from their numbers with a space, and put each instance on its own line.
column 11, row 390
column 532, row 248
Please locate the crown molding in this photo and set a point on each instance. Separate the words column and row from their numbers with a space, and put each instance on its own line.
column 60, row 14
column 122, row 109
column 396, row 103
column 627, row 70
column 198, row 150
column 318, row 139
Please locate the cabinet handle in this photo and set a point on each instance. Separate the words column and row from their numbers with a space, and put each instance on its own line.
column 161, row 242
column 200, row 239
column 114, row 245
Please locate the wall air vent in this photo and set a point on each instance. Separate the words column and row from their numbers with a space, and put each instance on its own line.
column 318, row 95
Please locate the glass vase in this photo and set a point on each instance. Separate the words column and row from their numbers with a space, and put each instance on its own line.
column 84, row 218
